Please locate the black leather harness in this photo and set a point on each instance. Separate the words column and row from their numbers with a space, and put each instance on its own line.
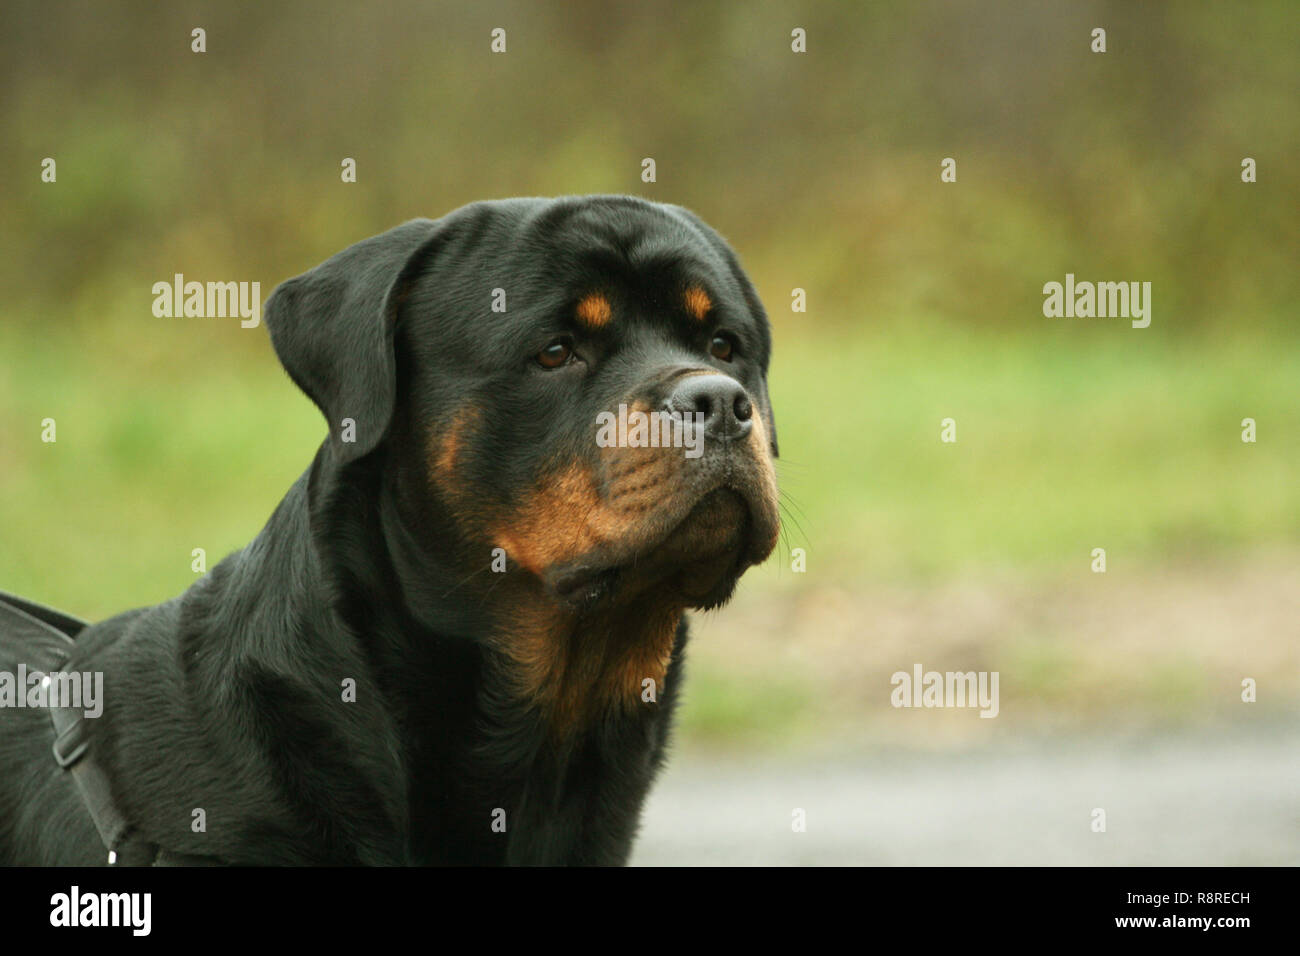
column 43, row 639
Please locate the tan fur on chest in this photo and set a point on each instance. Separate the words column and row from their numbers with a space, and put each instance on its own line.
column 575, row 673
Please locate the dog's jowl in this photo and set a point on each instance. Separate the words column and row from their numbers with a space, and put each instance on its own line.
column 460, row 636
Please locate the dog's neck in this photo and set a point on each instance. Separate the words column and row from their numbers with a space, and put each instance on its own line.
column 567, row 669
column 539, row 718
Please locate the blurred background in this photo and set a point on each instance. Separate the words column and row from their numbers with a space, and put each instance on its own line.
column 1119, row 690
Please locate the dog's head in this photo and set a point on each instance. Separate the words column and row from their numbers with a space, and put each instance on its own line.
column 569, row 393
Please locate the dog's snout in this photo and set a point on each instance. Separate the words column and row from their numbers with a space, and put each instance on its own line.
column 728, row 413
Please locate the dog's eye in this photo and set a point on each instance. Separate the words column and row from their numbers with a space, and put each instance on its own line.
column 721, row 346
column 556, row 354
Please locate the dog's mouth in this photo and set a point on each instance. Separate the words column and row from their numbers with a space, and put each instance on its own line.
column 695, row 563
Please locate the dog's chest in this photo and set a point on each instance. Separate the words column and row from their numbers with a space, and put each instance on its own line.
column 575, row 802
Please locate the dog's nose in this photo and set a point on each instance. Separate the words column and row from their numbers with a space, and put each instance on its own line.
column 728, row 414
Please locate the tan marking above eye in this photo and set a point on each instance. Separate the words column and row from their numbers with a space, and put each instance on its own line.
column 697, row 302
column 594, row 310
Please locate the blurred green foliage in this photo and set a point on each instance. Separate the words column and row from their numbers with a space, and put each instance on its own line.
column 822, row 167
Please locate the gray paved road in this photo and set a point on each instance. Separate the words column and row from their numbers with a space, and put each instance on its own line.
column 1191, row 800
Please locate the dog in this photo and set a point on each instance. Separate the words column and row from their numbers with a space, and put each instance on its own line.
column 459, row 638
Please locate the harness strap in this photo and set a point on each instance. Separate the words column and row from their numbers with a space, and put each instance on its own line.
column 44, row 639
column 72, row 753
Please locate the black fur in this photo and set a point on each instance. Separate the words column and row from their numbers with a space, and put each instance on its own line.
column 228, row 698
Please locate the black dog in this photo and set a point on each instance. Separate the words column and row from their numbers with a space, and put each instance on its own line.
column 459, row 637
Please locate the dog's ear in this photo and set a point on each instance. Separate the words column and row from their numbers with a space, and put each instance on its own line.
column 332, row 329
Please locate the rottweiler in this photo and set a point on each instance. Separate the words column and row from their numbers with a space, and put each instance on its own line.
column 459, row 638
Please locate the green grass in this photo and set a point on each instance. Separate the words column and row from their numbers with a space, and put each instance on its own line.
column 160, row 450
column 719, row 706
column 1069, row 437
